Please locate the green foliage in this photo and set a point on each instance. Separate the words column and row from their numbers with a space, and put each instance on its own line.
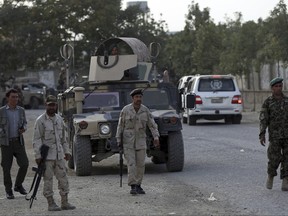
column 32, row 31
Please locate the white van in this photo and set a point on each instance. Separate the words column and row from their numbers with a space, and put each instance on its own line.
column 217, row 97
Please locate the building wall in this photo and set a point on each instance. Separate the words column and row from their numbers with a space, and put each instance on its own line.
column 257, row 88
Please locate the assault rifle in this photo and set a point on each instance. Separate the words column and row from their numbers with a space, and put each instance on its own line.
column 39, row 171
column 121, row 158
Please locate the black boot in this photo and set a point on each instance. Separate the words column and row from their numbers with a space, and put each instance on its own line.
column 139, row 189
column 133, row 190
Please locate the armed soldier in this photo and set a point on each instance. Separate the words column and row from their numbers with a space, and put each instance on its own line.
column 274, row 115
column 49, row 130
column 133, row 121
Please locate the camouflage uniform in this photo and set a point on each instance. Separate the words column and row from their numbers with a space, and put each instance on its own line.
column 133, row 125
column 50, row 131
column 274, row 115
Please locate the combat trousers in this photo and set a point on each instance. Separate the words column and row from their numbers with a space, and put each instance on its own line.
column 57, row 168
column 135, row 164
column 277, row 154
column 15, row 149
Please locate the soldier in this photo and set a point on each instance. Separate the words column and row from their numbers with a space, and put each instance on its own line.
column 134, row 118
column 274, row 115
column 49, row 130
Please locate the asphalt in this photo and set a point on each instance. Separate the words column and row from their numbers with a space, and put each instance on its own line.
column 251, row 117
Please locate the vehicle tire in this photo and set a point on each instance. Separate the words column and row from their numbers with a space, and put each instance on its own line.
column 192, row 120
column 82, row 155
column 175, row 155
column 236, row 119
column 158, row 160
column 34, row 103
column 228, row 120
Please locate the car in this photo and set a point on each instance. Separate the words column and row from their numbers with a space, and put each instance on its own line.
column 182, row 87
column 183, row 82
column 217, row 97
column 33, row 93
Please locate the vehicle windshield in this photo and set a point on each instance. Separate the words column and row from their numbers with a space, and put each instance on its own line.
column 33, row 86
column 154, row 99
column 219, row 84
column 37, row 85
column 100, row 100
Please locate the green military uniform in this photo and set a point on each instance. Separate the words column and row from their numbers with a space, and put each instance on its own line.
column 274, row 115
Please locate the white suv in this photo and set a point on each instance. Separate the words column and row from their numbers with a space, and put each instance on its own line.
column 217, row 97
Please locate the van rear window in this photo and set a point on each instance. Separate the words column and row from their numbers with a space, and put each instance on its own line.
column 219, row 84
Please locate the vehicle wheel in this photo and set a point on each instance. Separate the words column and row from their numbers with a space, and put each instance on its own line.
column 158, row 160
column 82, row 155
column 228, row 120
column 192, row 120
column 34, row 103
column 175, row 159
column 236, row 119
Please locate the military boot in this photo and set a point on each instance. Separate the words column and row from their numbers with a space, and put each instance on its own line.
column 65, row 205
column 52, row 206
column 139, row 189
column 133, row 190
column 269, row 182
column 285, row 184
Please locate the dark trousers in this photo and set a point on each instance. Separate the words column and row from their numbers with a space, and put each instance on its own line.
column 277, row 153
column 15, row 149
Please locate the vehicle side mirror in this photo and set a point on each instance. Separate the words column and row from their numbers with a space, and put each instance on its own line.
column 190, row 101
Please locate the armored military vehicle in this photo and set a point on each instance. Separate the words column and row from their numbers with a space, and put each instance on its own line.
column 91, row 110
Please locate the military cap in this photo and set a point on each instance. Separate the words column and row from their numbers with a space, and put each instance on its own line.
column 136, row 91
column 275, row 81
column 51, row 99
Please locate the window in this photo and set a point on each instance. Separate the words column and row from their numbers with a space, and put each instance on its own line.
column 212, row 84
column 98, row 100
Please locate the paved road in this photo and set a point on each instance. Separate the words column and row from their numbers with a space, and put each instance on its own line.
column 228, row 161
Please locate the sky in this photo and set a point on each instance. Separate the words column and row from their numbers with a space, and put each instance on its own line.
column 174, row 11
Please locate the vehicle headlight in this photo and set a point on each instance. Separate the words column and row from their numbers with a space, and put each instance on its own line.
column 105, row 129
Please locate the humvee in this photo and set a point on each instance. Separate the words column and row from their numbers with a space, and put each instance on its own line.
column 91, row 110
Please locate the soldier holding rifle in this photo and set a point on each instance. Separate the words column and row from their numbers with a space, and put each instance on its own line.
column 133, row 121
column 49, row 130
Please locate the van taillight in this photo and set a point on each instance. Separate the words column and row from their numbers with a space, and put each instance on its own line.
column 237, row 99
column 198, row 99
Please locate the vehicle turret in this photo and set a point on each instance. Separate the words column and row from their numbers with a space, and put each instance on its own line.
column 120, row 59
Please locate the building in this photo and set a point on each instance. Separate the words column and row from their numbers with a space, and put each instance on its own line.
column 143, row 5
